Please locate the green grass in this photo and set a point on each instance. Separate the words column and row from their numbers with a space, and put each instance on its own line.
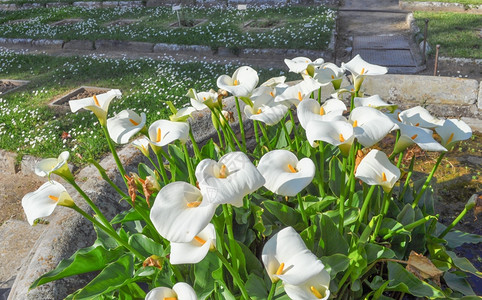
column 28, row 126
column 458, row 34
column 297, row 27
column 465, row 2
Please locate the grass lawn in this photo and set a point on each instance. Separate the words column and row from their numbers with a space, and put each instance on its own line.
column 465, row 2
column 269, row 27
column 458, row 34
column 28, row 126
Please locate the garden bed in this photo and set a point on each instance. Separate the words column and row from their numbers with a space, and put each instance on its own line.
column 9, row 85
column 62, row 104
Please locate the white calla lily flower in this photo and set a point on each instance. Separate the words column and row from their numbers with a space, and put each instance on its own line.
column 376, row 169
column 310, row 109
column 337, row 133
column 329, row 73
column 180, row 212
column 43, row 201
column 315, row 288
column 374, row 101
column 203, row 100
column 370, row 125
column 143, row 145
column 419, row 116
column 98, row 104
column 359, row 69
column 57, row 166
column 452, row 131
column 274, row 81
column 195, row 250
column 163, row 132
column 241, row 84
column 286, row 257
column 182, row 114
column 296, row 93
column 303, row 65
column 180, row 291
column 264, row 109
column 410, row 135
column 284, row 174
column 125, row 125
column 228, row 180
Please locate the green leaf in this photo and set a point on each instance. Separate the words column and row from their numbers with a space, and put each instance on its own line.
column 256, row 287
column 456, row 238
column 458, row 283
column 114, row 276
column 209, row 150
column 407, row 215
column 375, row 252
column 146, row 246
column 336, row 176
column 315, row 205
column 285, row 214
column 85, row 260
column 464, row 264
column 351, row 215
column 252, row 262
column 390, row 225
column 177, row 156
column 145, row 171
column 331, row 242
column 335, row 263
column 203, row 281
column 126, row 216
column 403, row 281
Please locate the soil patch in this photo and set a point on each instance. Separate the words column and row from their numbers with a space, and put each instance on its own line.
column 261, row 24
column 66, row 22
column 6, row 86
column 188, row 23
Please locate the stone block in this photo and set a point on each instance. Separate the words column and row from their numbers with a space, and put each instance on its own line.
column 50, row 44
column 79, row 45
column 479, row 100
column 155, row 3
column 115, row 45
column 7, row 162
column 11, row 6
column 110, row 4
column 88, row 4
column 17, row 41
column 131, row 3
column 56, row 4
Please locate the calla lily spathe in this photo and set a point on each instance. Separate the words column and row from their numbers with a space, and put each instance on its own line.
column 286, row 257
column 376, row 169
column 163, row 132
column 203, row 100
column 98, row 104
column 124, row 125
column 374, row 101
column 180, row 291
column 195, row 250
column 43, row 201
column 359, row 69
column 419, row 116
column 410, row 135
column 264, row 108
column 303, row 65
column 143, row 145
column 452, row 131
column 284, row 174
column 315, row 288
column 310, row 109
column 336, row 133
column 329, row 73
column 57, row 166
column 180, row 212
column 274, row 81
column 370, row 125
column 241, row 84
column 228, row 180
column 296, row 93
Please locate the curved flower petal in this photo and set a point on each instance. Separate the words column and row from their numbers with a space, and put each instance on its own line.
column 194, row 251
column 419, row 116
column 296, row 93
column 360, row 68
column 329, row 73
column 163, row 132
column 286, row 257
column 314, row 288
column 452, row 131
column 98, row 104
column 243, row 82
column 178, row 214
column 54, row 165
column 143, row 145
column 160, row 293
column 202, row 100
column 310, row 109
column 370, row 125
column 180, row 291
column 374, row 101
column 125, row 125
column 284, row 174
column 410, row 135
column 376, row 169
column 270, row 115
column 297, row 64
column 337, row 133
column 272, row 82
column 228, row 180
column 43, row 201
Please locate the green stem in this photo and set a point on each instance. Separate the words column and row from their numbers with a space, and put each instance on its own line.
column 407, row 180
column 344, row 278
column 452, row 225
column 241, row 125
column 190, row 168
column 234, row 274
column 109, row 231
column 409, row 227
column 427, row 182
column 366, row 202
column 163, row 169
column 195, row 147
column 272, row 290
column 256, row 134
column 287, row 135
column 321, row 185
column 319, row 95
column 342, row 197
column 294, row 130
column 114, row 154
column 303, row 213
column 265, row 134
column 228, row 213
column 384, row 210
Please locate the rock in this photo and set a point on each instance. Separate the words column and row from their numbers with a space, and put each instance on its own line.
column 87, row 4
column 79, row 45
column 50, row 44
column 7, row 162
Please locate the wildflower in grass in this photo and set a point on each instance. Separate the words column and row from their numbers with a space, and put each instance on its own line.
column 329, row 73
column 228, row 180
column 370, row 125
column 195, row 250
column 376, row 169
column 359, row 69
column 164, row 132
column 203, row 100
column 56, row 166
column 43, row 201
column 452, row 131
column 241, row 84
column 410, row 135
column 338, row 133
column 374, row 101
column 264, row 108
column 310, row 109
column 286, row 257
column 125, row 125
column 284, row 174
column 143, row 145
column 180, row 291
column 98, row 104
column 315, row 288
column 419, row 116
column 296, row 93
column 180, row 212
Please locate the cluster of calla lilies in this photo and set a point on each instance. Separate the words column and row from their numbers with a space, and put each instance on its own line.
column 186, row 205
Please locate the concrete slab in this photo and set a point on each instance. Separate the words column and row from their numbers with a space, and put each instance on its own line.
column 79, row 45
column 387, row 58
column 381, row 42
column 115, row 45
